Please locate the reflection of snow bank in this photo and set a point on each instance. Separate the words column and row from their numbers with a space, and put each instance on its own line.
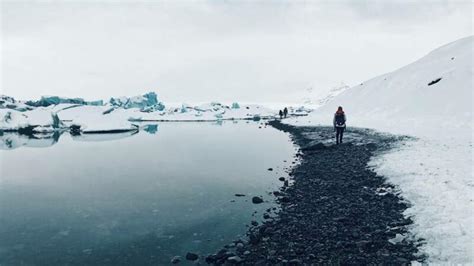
column 434, row 172
column 10, row 141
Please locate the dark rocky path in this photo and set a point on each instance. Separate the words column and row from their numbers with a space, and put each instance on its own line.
column 336, row 211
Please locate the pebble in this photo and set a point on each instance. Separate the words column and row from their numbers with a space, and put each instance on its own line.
column 192, row 256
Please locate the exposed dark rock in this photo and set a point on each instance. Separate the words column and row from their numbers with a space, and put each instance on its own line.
column 434, row 81
column 192, row 256
column 257, row 200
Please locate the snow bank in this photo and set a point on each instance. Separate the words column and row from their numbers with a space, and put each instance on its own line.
column 430, row 99
column 96, row 118
column 207, row 112
column 37, row 120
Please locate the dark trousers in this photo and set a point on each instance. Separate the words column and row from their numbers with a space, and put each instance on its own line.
column 339, row 133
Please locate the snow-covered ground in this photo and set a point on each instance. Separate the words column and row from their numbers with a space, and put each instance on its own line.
column 434, row 171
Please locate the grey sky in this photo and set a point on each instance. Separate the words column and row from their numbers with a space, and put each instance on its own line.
column 215, row 50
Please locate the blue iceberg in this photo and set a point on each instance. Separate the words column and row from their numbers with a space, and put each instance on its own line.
column 55, row 100
column 146, row 103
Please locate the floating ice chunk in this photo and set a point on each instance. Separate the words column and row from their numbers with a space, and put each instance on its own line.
column 235, row 105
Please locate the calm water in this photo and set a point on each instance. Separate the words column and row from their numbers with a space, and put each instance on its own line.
column 141, row 199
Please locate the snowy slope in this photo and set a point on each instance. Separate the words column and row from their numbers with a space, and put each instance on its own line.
column 319, row 97
column 433, row 172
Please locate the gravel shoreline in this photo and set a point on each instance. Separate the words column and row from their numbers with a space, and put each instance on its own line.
column 337, row 211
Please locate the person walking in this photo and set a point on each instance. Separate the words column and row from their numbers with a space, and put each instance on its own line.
column 281, row 114
column 339, row 123
column 285, row 112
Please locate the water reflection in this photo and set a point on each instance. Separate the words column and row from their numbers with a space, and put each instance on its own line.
column 14, row 140
column 122, row 199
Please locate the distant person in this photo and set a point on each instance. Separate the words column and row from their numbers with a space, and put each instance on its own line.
column 281, row 114
column 339, row 122
column 285, row 112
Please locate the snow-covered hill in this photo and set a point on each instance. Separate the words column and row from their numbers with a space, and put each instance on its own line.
column 319, row 97
column 430, row 99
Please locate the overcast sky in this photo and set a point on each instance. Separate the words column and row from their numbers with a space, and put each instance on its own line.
column 192, row 51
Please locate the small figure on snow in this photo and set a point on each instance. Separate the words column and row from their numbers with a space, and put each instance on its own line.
column 285, row 112
column 281, row 114
column 339, row 122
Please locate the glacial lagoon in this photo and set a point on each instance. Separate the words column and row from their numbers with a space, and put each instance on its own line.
column 135, row 198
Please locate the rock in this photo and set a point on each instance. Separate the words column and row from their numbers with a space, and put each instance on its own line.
column 175, row 259
column 192, row 256
column 257, row 200
column 240, row 195
column 234, row 259
column 211, row 259
column 254, row 223
column 284, row 199
column 282, row 179
column 295, row 262
column 270, row 169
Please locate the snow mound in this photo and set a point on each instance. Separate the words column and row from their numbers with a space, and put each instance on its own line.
column 96, row 119
column 37, row 120
column 430, row 99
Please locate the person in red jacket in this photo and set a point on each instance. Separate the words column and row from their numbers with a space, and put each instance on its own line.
column 339, row 123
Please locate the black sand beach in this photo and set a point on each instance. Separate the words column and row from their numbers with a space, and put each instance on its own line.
column 336, row 211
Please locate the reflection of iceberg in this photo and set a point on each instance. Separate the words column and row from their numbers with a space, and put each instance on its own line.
column 104, row 137
column 12, row 140
column 152, row 129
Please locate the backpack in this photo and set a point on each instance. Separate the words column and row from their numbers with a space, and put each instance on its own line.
column 340, row 120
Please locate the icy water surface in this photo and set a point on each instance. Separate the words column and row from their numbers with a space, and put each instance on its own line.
column 140, row 199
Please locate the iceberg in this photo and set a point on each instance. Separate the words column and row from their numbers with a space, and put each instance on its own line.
column 146, row 103
column 7, row 102
column 55, row 100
